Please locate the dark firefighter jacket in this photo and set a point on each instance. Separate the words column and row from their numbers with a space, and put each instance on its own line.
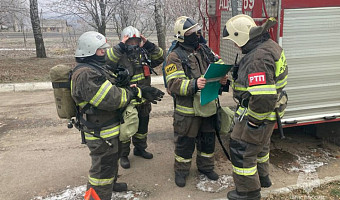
column 261, row 77
column 181, row 80
column 106, row 99
column 135, row 66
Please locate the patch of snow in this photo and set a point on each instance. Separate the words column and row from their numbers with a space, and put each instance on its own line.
column 309, row 163
column 131, row 195
column 306, row 165
column 308, row 181
column 68, row 194
column 78, row 193
column 206, row 185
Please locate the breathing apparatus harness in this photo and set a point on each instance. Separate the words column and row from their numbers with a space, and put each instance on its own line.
column 122, row 77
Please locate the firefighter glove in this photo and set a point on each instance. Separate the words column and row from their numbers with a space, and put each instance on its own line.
column 123, row 78
column 122, row 47
column 136, row 93
column 151, row 94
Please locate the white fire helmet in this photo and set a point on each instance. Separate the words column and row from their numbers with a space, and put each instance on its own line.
column 89, row 42
column 131, row 31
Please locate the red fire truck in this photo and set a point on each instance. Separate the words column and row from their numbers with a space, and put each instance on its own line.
column 309, row 33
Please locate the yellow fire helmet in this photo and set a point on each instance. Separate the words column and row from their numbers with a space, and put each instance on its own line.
column 237, row 29
column 182, row 25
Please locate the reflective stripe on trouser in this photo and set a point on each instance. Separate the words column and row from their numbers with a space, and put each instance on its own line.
column 263, row 160
column 184, row 148
column 139, row 140
column 185, row 143
column 205, row 151
column 245, row 156
column 104, row 168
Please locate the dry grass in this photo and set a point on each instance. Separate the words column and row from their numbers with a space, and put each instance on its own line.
column 324, row 192
column 23, row 66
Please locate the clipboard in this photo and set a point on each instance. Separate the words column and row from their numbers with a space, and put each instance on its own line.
column 213, row 75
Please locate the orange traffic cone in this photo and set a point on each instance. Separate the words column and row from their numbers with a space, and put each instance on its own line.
column 91, row 194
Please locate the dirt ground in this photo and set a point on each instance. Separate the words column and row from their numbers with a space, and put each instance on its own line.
column 40, row 157
column 18, row 63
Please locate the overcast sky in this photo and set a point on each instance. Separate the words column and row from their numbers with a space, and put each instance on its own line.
column 45, row 9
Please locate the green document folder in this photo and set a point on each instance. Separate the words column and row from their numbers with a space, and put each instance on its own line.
column 213, row 75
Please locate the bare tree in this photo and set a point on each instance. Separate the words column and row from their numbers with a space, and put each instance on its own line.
column 124, row 15
column 177, row 8
column 160, row 26
column 39, row 41
column 14, row 13
column 108, row 14
column 145, row 15
column 165, row 12
column 94, row 12
column 136, row 13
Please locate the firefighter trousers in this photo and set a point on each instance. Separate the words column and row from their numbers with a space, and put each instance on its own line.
column 249, row 152
column 139, row 139
column 190, row 132
column 104, row 168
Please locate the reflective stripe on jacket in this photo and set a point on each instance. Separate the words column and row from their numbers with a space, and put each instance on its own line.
column 262, row 75
column 181, row 81
column 117, row 57
column 106, row 99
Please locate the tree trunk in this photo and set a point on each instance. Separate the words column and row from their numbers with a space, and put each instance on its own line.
column 102, row 29
column 39, row 42
column 15, row 27
column 159, row 26
column 102, row 20
column 24, row 34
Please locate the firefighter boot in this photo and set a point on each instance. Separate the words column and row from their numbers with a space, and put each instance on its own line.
column 180, row 179
column 142, row 153
column 234, row 195
column 119, row 187
column 211, row 174
column 265, row 181
column 124, row 162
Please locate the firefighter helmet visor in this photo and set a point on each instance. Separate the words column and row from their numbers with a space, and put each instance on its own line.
column 184, row 24
column 225, row 32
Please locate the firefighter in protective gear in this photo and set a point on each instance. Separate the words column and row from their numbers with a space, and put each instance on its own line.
column 94, row 91
column 138, row 55
column 185, row 66
column 258, row 86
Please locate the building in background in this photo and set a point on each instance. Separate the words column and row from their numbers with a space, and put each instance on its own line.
column 54, row 25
